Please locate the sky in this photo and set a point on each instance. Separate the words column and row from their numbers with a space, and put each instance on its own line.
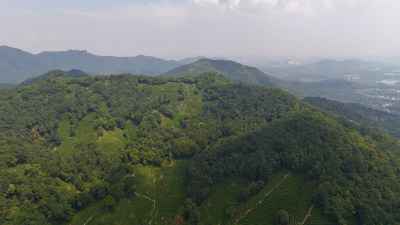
column 183, row 28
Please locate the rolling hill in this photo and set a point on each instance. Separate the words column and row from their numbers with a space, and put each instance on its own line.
column 54, row 74
column 382, row 120
column 190, row 150
column 338, row 90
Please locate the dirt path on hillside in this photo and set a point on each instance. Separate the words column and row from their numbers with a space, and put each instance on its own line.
column 188, row 92
column 266, row 194
column 148, row 198
column 308, row 215
column 90, row 218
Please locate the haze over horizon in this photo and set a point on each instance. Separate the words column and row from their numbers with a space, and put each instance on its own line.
column 182, row 28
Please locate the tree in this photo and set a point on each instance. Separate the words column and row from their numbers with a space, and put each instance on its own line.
column 109, row 203
column 282, row 217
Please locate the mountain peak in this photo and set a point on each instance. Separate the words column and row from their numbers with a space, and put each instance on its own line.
column 4, row 49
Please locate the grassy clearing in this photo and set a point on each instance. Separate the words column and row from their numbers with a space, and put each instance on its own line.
column 189, row 103
column 293, row 195
column 111, row 141
column 84, row 134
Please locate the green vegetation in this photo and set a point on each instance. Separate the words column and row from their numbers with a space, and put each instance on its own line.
column 159, row 194
column 384, row 121
column 220, row 207
column 293, row 196
column 200, row 149
column 253, row 201
column 332, row 151
column 318, row 217
column 339, row 90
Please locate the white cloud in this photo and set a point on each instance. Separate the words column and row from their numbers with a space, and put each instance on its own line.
column 211, row 27
column 233, row 3
column 270, row 2
column 206, row 2
column 95, row 15
column 153, row 11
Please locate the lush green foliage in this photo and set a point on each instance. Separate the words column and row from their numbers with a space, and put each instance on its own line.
column 69, row 142
column 339, row 90
column 348, row 166
column 54, row 74
column 106, row 145
column 384, row 121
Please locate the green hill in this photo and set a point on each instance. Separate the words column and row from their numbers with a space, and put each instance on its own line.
column 233, row 70
column 334, row 89
column 185, row 150
column 54, row 74
column 384, row 121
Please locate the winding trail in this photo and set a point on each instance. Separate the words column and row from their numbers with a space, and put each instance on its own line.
column 148, row 198
column 188, row 91
column 266, row 194
column 88, row 220
column 308, row 215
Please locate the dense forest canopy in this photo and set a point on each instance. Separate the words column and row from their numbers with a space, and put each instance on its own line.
column 57, row 157
column 55, row 74
column 382, row 120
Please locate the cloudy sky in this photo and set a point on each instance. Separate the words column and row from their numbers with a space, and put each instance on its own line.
column 180, row 28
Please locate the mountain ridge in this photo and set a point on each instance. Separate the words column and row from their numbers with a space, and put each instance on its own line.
column 17, row 65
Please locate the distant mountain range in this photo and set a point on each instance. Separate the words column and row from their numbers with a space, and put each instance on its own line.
column 17, row 65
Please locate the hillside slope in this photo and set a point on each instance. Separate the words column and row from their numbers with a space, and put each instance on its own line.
column 252, row 75
column 106, row 147
column 384, row 121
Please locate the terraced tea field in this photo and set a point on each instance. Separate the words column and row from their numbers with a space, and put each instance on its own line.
column 159, row 194
column 225, row 195
column 293, row 195
column 247, row 206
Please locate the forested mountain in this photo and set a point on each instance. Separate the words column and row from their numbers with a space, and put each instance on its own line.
column 384, row 121
column 234, row 70
column 17, row 65
column 140, row 150
column 55, row 74
column 333, row 89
